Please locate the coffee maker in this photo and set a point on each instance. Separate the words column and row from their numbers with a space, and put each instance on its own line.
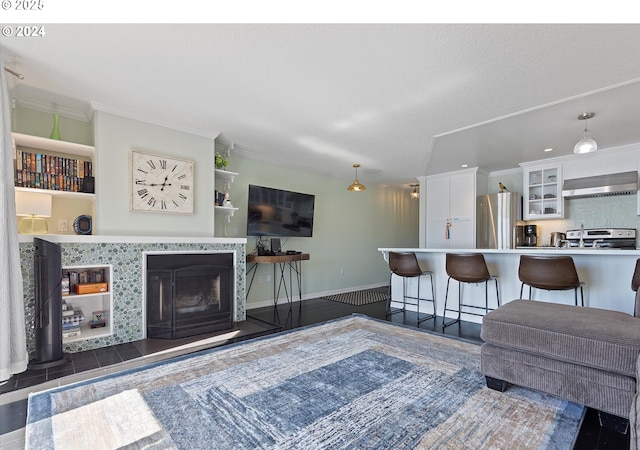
column 530, row 235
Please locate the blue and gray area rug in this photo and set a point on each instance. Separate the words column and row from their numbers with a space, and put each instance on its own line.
column 355, row 383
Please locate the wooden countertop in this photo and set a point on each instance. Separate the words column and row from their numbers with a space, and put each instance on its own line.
column 255, row 259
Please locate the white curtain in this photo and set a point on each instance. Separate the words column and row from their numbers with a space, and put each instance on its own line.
column 13, row 339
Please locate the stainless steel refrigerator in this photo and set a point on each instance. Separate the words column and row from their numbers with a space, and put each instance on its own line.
column 496, row 218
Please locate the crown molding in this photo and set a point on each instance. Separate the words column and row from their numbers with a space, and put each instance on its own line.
column 102, row 107
column 78, row 112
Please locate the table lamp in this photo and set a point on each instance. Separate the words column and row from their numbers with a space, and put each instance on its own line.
column 33, row 207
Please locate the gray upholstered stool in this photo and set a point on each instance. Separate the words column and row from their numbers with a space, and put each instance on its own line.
column 585, row 355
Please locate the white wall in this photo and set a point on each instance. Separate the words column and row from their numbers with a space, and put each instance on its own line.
column 115, row 137
column 348, row 228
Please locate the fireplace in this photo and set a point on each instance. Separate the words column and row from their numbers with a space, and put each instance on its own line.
column 189, row 294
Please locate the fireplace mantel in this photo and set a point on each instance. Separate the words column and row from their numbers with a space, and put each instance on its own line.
column 92, row 239
column 125, row 255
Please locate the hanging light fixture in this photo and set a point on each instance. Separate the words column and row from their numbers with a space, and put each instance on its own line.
column 415, row 195
column 586, row 144
column 356, row 186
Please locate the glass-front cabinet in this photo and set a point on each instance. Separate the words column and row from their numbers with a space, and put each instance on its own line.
column 543, row 192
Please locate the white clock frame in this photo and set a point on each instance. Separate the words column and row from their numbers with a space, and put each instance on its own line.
column 161, row 184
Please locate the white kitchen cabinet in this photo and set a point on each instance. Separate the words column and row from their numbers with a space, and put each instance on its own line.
column 451, row 208
column 542, row 185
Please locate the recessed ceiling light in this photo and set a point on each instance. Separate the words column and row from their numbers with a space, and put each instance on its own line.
column 548, row 149
column 465, row 165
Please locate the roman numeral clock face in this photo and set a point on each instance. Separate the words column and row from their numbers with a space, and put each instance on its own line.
column 161, row 184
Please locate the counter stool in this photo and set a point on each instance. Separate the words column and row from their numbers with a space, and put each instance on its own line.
column 635, row 283
column 635, row 280
column 405, row 265
column 551, row 273
column 468, row 268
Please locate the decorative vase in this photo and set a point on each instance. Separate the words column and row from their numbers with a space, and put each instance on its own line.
column 55, row 133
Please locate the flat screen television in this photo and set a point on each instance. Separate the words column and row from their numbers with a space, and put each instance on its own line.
column 276, row 212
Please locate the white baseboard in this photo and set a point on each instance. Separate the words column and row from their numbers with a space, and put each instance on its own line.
column 269, row 302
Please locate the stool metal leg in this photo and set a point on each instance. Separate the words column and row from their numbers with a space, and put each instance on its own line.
column 461, row 304
column 388, row 311
column 445, row 324
column 433, row 299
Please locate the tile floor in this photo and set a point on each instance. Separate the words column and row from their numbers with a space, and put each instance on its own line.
column 261, row 321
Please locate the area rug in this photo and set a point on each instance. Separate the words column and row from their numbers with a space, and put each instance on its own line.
column 359, row 298
column 350, row 383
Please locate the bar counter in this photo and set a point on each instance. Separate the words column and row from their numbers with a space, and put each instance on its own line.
column 606, row 274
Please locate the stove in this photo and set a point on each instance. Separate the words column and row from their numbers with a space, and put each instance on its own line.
column 622, row 238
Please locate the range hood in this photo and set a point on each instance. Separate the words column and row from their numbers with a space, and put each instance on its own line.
column 623, row 183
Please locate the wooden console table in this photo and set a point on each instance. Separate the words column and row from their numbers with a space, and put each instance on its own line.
column 293, row 262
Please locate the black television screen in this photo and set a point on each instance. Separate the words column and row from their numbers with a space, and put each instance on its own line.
column 275, row 212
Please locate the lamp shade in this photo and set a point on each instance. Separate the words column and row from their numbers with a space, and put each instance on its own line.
column 33, row 207
column 356, row 186
column 33, row 204
column 585, row 145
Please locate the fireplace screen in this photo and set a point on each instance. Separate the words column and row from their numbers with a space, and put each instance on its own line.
column 188, row 294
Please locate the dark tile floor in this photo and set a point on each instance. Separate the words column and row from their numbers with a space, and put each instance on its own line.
column 263, row 321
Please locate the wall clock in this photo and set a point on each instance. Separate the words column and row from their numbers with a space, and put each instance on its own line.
column 161, row 184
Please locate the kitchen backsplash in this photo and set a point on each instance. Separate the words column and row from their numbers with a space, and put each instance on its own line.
column 619, row 211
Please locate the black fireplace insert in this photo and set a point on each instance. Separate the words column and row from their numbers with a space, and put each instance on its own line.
column 189, row 294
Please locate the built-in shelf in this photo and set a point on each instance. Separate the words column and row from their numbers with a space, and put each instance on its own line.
column 37, row 144
column 69, row 194
column 226, row 177
column 88, row 303
column 53, row 145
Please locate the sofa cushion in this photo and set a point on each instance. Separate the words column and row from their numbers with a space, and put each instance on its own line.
column 599, row 338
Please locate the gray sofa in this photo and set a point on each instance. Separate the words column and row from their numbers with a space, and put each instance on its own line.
column 585, row 355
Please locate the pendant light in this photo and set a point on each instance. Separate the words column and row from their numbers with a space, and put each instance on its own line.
column 356, row 186
column 586, row 144
column 415, row 195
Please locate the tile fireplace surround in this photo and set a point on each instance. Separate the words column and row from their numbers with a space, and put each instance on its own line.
column 125, row 254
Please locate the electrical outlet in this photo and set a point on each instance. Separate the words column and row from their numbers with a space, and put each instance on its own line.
column 341, row 272
column 63, row 226
column 260, row 279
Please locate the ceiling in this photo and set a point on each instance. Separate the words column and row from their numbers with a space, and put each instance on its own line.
column 401, row 100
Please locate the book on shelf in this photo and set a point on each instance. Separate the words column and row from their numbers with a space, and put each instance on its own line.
column 86, row 276
column 71, row 332
column 43, row 171
column 64, row 284
column 72, row 320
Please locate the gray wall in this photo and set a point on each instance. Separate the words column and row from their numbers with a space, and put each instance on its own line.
column 115, row 137
column 348, row 228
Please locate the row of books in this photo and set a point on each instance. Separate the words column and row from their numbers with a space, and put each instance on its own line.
column 42, row 171
column 72, row 318
column 70, row 278
column 55, row 165
column 49, row 181
column 71, row 332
